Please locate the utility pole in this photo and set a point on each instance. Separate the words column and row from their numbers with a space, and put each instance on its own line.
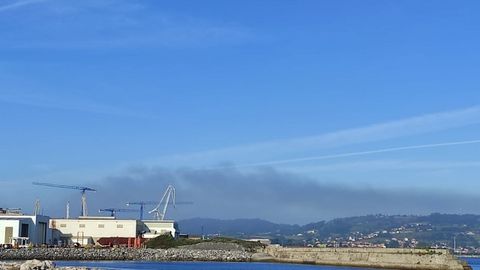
column 454, row 245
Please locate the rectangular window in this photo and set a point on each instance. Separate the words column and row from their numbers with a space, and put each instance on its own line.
column 101, row 226
column 63, row 225
column 24, row 230
column 81, row 225
column 119, row 226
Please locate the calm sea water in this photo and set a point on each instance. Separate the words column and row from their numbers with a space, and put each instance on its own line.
column 197, row 266
column 474, row 262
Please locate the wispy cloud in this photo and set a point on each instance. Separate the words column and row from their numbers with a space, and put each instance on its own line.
column 70, row 104
column 19, row 4
column 296, row 149
column 115, row 24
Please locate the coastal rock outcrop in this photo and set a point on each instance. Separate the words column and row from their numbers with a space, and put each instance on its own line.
column 36, row 265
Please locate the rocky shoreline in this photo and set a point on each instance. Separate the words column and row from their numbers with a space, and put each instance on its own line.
column 125, row 254
column 36, row 265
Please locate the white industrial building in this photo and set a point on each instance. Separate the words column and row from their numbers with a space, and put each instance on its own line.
column 22, row 230
column 154, row 228
column 88, row 230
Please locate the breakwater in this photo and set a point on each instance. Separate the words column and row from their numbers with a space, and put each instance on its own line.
column 124, row 254
column 407, row 259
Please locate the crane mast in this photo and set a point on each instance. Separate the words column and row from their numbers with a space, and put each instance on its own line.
column 84, row 204
column 36, row 208
column 68, row 210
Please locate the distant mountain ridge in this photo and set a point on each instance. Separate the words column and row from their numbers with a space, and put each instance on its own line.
column 234, row 227
column 369, row 223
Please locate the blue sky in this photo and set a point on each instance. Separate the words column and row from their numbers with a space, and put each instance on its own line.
column 91, row 89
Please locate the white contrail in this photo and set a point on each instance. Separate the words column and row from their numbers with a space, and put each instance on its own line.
column 273, row 149
column 19, row 4
column 352, row 154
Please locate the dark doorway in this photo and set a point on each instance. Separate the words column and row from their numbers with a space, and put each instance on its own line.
column 24, row 230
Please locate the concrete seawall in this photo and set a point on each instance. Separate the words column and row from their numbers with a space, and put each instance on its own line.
column 407, row 259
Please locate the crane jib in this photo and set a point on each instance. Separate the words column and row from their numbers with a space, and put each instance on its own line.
column 81, row 188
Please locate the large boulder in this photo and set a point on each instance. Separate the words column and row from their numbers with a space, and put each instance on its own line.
column 9, row 266
column 37, row 265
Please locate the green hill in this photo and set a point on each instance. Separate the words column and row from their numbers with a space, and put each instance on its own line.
column 436, row 230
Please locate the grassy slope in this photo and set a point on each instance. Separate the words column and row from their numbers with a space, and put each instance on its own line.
column 167, row 241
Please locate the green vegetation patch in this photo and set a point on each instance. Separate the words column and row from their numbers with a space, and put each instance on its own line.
column 166, row 241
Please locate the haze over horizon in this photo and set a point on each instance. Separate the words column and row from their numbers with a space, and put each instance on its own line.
column 289, row 111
